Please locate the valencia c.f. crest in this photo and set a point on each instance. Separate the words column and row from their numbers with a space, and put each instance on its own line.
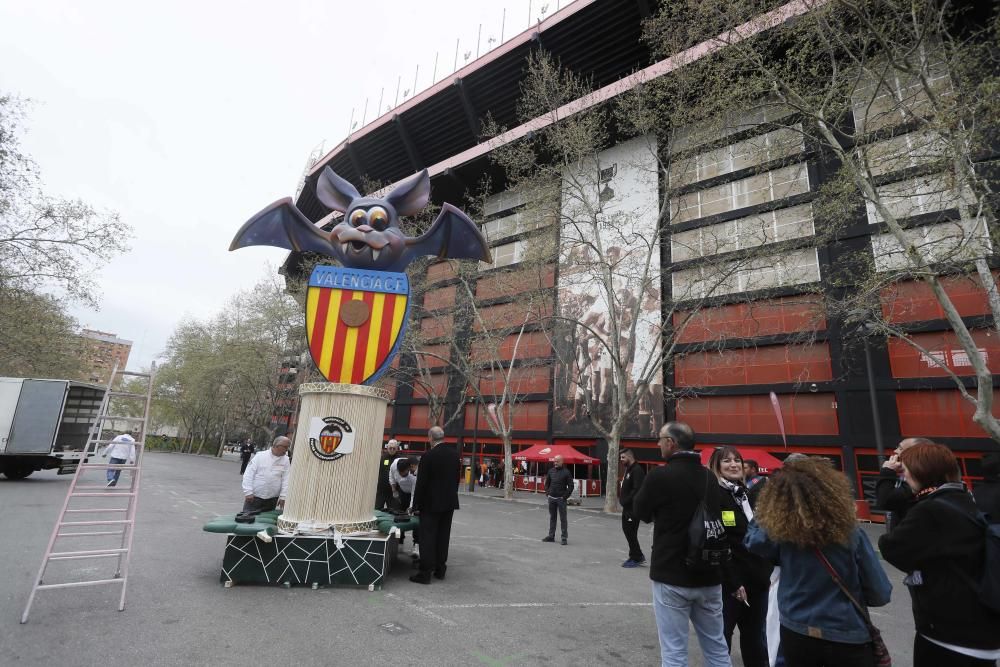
column 330, row 438
column 354, row 321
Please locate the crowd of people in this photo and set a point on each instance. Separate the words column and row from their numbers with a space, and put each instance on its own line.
column 781, row 559
column 784, row 560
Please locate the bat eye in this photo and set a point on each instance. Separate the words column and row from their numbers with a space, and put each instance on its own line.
column 378, row 218
column 358, row 217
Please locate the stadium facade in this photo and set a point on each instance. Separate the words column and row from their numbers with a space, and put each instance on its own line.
column 823, row 387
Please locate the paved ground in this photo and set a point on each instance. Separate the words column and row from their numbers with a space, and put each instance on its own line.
column 509, row 599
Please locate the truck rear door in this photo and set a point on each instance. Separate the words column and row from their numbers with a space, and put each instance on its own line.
column 36, row 419
column 10, row 389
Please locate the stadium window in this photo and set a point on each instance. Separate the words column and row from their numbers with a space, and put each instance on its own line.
column 903, row 152
column 749, row 232
column 750, row 152
column 917, row 196
column 791, row 268
column 504, row 255
column 955, row 240
column 894, row 98
column 745, row 192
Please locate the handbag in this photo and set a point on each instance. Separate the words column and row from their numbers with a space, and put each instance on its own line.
column 879, row 649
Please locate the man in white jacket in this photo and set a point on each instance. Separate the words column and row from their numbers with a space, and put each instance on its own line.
column 265, row 481
column 119, row 451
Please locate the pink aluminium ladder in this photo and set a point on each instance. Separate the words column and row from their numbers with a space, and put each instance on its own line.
column 127, row 395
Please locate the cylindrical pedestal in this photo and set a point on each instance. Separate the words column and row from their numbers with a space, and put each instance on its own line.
column 337, row 446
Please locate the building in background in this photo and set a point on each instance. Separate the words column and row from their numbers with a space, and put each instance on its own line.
column 774, row 349
column 102, row 351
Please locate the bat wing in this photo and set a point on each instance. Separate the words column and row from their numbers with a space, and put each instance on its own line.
column 282, row 225
column 453, row 235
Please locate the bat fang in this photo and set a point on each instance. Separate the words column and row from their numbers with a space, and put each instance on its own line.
column 375, row 254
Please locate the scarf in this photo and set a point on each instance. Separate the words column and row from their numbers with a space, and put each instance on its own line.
column 739, row 495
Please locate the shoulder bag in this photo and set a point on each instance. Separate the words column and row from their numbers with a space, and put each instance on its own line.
column 881, row 653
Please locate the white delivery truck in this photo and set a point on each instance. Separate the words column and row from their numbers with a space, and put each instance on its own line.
column 45, row 424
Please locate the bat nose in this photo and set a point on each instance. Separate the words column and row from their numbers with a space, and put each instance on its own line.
column 364, row 228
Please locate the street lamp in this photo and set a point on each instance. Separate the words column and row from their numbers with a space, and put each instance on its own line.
column 867, row 329
column 475, row 444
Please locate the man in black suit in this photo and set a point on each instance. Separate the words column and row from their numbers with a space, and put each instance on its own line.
column 435, row 500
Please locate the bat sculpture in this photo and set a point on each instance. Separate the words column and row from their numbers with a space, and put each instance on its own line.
column 356, row 314
column 368, row 236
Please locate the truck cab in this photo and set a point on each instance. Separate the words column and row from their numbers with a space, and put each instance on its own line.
column 45, row 424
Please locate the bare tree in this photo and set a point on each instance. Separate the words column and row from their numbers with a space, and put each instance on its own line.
column 903, row 97
column 49, row 248
column 46, row 242
column 618, row 199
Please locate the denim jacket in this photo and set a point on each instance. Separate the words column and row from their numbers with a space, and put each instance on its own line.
column 809, row 601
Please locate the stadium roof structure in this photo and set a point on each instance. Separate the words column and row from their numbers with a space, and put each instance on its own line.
column 600, row 39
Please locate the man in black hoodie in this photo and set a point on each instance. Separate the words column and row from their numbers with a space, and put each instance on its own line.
column 631, row 483
column 682, row 595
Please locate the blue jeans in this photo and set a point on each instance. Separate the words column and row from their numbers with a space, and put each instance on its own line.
column 114, row 473
column 674, row 607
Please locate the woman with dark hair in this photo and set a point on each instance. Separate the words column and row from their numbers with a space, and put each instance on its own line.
column 940, row 543
column 746, row 577
column 805, row 522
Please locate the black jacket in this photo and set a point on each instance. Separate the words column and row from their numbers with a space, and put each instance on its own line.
column 668, row 498
column 893, row 495
column 631, row 483
column 987, row 495
column 559, row 482
column 947, row 549
column 437, row 480
column 744, row 569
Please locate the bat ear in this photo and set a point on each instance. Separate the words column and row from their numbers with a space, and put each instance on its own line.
column 335, row 192
column 411, row 195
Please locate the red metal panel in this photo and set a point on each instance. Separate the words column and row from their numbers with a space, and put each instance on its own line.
column 531, row 380
column 763, row 365
column 743, row 320
column 438, row 298
column 420, row 417
column 426, row 386
column 913, row 301
column 435, row 357
column 907, row 361
column 939, row 413
column 532, row 416
column 803, row 414
column 440, row 271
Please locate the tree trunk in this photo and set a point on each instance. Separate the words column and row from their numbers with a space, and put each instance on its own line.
column 611, row 481
column 508, row 468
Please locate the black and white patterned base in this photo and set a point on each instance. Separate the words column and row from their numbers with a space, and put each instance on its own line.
column 297, row 559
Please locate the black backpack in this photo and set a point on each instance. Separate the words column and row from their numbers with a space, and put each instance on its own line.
column 988, row 585
column 708, row 547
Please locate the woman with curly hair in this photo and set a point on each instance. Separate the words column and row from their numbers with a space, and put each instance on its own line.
column 940, row 544
column 746, row 577
column 806, row 516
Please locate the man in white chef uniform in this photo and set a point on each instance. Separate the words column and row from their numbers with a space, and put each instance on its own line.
column 265, row 481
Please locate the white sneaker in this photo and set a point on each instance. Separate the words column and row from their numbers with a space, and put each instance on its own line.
column 415, row 552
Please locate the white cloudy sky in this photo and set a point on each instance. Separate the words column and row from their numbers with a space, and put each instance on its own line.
column 188, row 117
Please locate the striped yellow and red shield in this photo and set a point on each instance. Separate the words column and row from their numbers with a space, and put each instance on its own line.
column 328, row 442
column 354, row 321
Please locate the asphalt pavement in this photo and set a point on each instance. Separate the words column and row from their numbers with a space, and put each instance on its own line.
column 509, row 599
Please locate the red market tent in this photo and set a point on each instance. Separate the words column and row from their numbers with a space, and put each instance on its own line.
column 543, row 453
column 768, row 463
